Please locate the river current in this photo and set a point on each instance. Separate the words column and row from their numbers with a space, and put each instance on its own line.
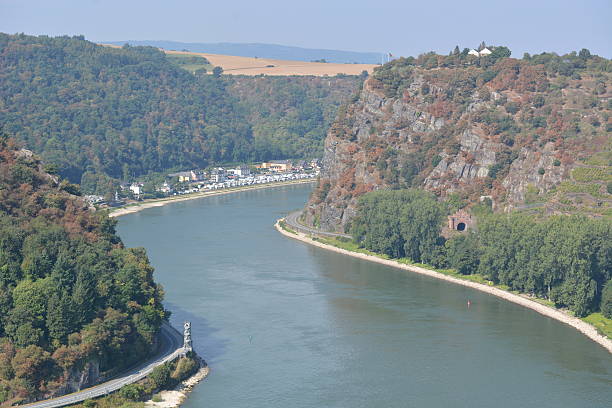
column 284, row 324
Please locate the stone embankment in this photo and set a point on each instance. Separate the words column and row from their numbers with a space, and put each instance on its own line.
column 583, row 327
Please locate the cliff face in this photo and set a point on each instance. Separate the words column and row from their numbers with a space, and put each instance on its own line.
column 511, row 131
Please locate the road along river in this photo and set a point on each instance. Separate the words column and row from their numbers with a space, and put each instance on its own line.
column 282, row 323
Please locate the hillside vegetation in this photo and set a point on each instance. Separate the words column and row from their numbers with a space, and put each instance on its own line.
column 290, row 116
column 564, row 259
column 73, row 300
column 106, row 114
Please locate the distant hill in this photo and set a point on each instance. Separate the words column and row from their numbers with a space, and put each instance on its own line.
column 273, row 51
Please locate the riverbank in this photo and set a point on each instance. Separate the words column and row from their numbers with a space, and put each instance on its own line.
column 133, row 208
column 585, row 328
column 175, row 397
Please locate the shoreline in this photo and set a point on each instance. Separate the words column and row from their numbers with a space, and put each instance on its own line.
column 134, row 208
column 583, row 327
column 175, row 397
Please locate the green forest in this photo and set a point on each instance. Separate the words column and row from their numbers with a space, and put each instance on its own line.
column 70, row 293
column 565, row 259
column 104, row 114
column 290, row 116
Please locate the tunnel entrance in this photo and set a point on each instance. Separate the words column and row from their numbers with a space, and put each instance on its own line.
column 461, row 226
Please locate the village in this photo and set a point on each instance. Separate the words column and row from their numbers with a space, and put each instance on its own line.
column 217, row 178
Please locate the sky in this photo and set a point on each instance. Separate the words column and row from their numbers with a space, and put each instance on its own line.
column 402, row 27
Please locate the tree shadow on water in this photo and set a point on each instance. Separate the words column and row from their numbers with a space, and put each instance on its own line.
column 208, row 346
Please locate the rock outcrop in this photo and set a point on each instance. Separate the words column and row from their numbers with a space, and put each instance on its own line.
column 450, row 131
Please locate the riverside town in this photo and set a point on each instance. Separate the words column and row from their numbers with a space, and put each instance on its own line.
column 193, row 181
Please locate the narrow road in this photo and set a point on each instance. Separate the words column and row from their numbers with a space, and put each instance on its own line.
column 292, row 219
column 171, row 347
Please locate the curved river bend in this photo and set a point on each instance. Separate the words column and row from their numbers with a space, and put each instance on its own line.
column 283, row 324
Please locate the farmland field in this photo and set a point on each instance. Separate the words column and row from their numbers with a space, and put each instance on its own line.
column 233, row 65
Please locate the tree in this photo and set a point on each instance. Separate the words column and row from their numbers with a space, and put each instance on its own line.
column 217, row 71
column 462, row 253
column 606, row 300
column 584, row 54
column 133, row 392
column 161, row 375
column 59, row 317
column 400, row 223
column 32, row 364
column 500, row 52
column 456, row 50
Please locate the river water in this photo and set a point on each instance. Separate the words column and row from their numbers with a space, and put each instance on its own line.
column 284, row 324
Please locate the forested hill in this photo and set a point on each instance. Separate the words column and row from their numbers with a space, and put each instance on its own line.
column 115, row 112
column 73, row 299
column 107, row 114
column 290, row 116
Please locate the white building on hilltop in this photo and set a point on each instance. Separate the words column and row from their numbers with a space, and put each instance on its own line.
column 482, row 53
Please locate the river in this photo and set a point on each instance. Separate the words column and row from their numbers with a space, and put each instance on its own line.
column 283, row 324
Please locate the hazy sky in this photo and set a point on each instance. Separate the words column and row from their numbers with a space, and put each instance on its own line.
column 403, row 27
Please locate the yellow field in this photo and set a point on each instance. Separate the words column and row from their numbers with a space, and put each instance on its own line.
column 233, row 65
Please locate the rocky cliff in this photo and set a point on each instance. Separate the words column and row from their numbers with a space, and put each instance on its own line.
column 467, row 128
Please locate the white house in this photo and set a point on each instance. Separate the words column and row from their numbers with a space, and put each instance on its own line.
column 473, row 52
column 136, row 189
column 165, row 188
column 484, row 52
column 217, row 175
column 242, row 171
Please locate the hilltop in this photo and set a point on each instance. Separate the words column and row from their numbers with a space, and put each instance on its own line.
column 268, row 51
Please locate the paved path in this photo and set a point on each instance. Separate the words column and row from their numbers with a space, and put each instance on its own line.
column 293, row 221
column 171, row 348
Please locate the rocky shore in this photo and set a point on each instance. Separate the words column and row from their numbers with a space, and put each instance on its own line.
column 175, row 397
column 585, row 328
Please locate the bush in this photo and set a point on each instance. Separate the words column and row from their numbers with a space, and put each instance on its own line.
column 512, row 107
column 606, row 300
column 132, row 392
column 184, row 368
column 160, row 375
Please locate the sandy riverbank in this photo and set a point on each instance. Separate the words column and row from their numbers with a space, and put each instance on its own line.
column 581, row 326
column 174, row 398
column 130, row 209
